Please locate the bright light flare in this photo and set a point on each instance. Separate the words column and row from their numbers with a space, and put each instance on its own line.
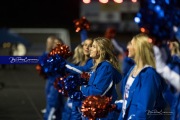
column 118, row 1
column 86, row 1
column 103, row 1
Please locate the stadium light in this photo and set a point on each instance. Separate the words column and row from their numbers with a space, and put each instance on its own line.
column 86, row 1
column 118, row 1
column 103, row 1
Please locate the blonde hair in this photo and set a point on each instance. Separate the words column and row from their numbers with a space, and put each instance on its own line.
column 54, row 40
column 175, row 50
column 86, row 57
column 105, row 49
column 144, row 50
column 78, row 56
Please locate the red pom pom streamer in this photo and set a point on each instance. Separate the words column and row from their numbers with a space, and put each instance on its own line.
column 81, row 24
column 96, row 107
column 53, row 64
column 62, row 50
column 85, row 76
column 69, row 84
column 41, row 64
column 40, row 71
column 59, row 85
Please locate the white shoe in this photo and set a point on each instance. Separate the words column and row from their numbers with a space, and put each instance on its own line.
column 43, row 110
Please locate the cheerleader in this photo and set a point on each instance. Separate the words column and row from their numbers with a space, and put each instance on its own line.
column 172, row 96
column 105, row 72
column 54, row 100
column 141, row 87
column 81, row 63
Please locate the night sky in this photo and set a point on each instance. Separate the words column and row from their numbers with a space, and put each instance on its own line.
column 38, row 13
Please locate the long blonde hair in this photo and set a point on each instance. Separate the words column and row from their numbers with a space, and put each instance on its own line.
column 144, row 50
column 105, row 49
column 78, row 56
column 175, row 48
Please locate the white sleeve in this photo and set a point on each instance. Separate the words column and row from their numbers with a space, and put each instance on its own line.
column 115, row 44
column 169, row 75
column 73, row 69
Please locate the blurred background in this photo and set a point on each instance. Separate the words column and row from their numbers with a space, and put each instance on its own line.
column 60, row 14
column 28, row 23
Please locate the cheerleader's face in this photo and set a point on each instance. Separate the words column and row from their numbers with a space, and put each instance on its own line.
column 94, row 51
column 170, row 45
column 86, row 47
column 131, row 49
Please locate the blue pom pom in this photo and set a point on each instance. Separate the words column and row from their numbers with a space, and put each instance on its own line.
column 55, row 65
column 159, row 18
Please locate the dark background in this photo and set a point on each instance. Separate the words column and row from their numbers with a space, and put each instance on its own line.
column 48, row 14
column 22, row 89
column 38, row 13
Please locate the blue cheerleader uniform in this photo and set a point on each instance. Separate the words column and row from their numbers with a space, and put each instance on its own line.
column 143, row 99
column 76, row 104
column 172, row 97
column 103, row 82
